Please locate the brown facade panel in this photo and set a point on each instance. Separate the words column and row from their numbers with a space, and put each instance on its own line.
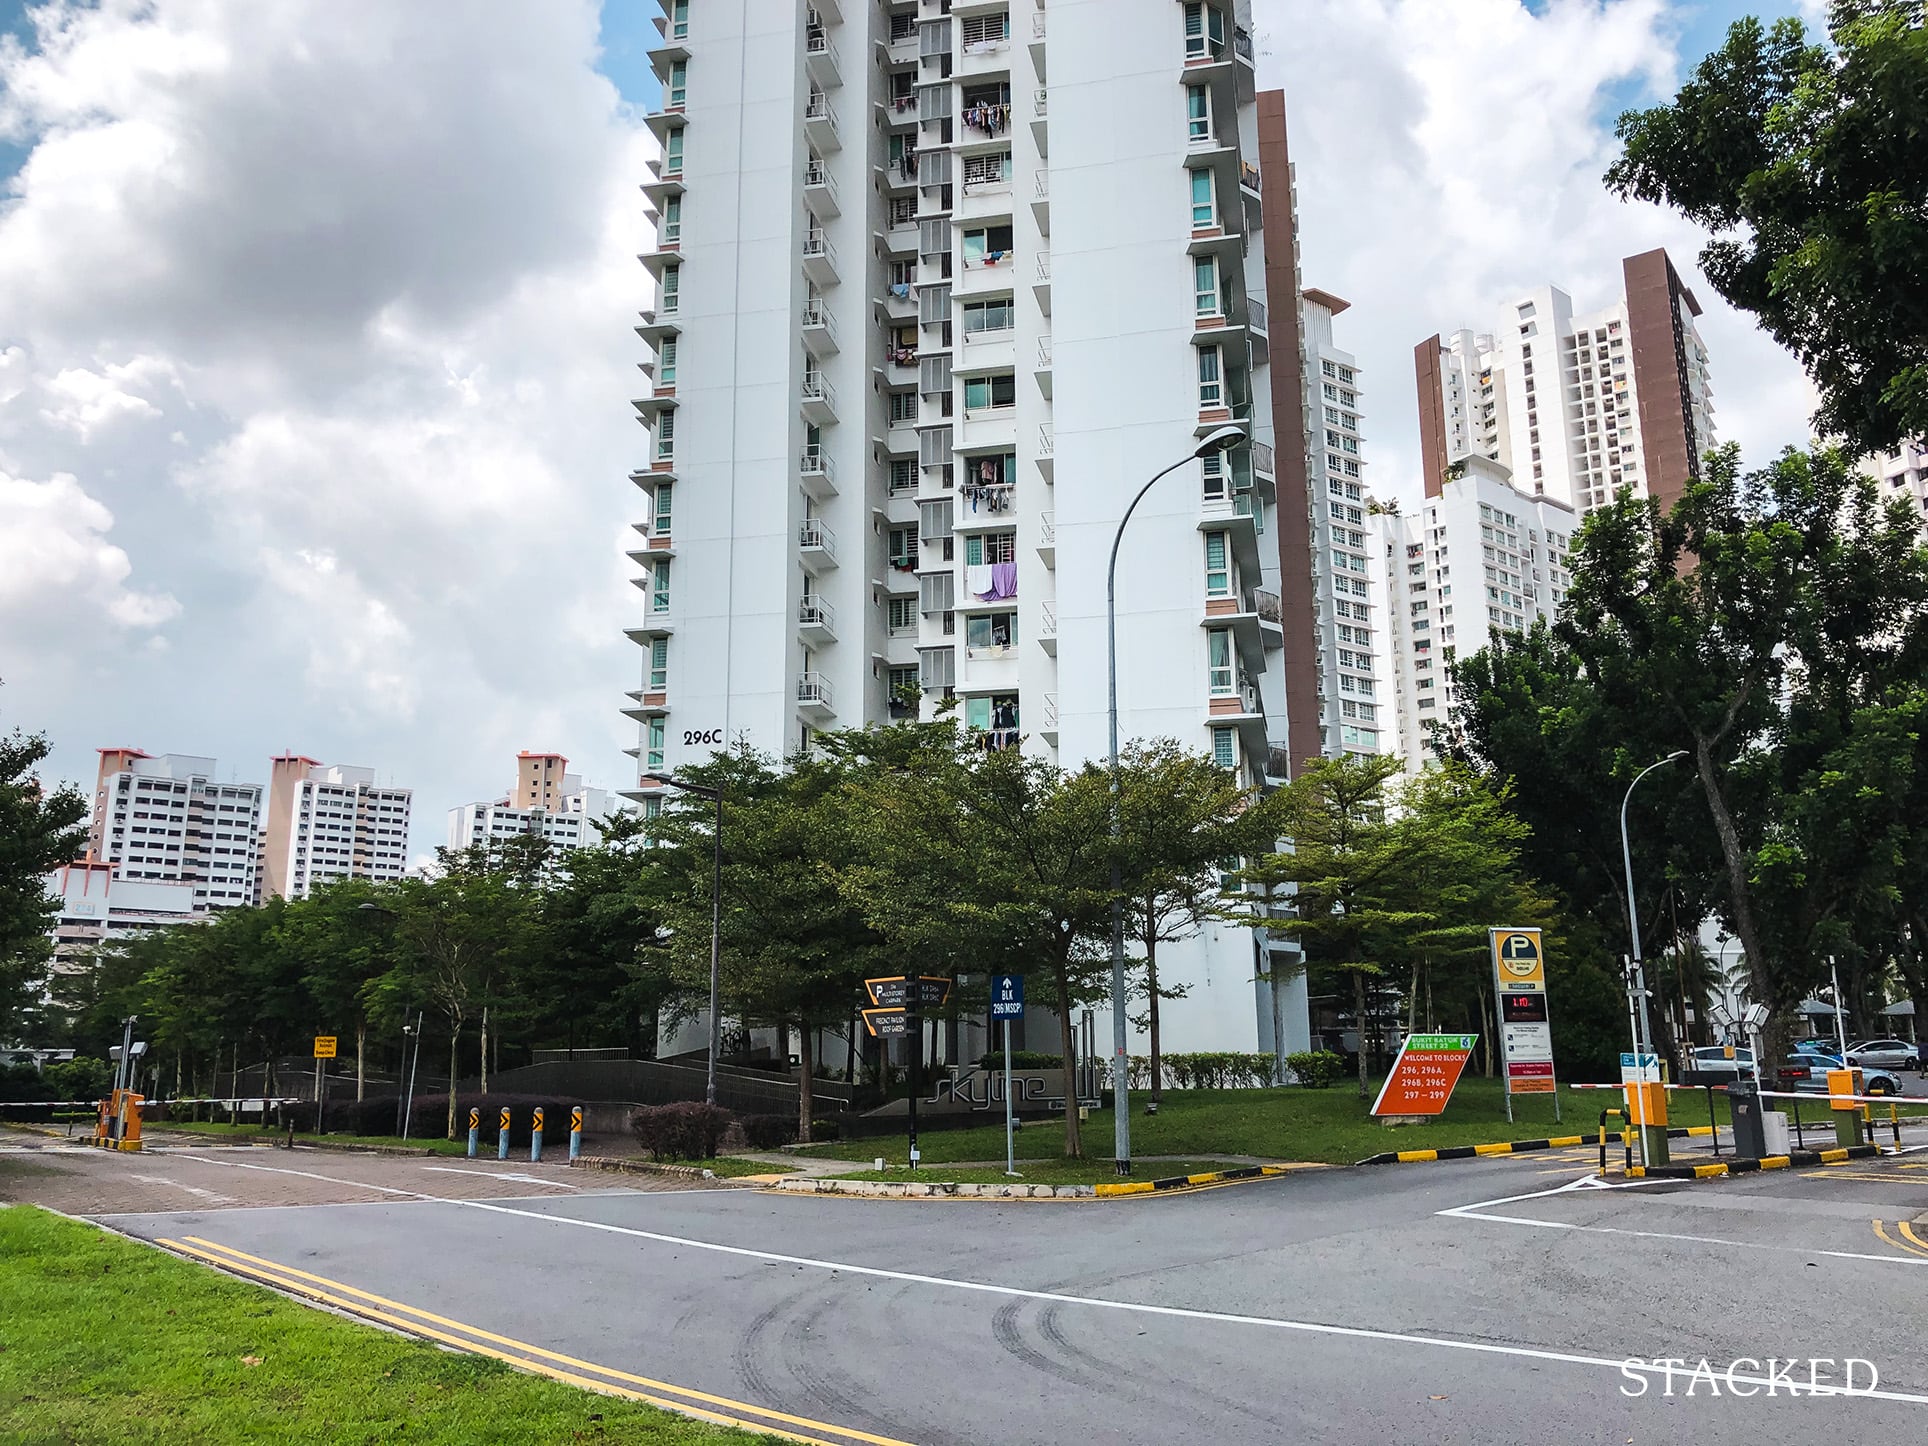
column 1432, row 415
column 1294, row 531
column 1657, row 339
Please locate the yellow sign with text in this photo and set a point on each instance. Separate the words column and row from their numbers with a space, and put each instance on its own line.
column 1518, row 961
column 324, row 1046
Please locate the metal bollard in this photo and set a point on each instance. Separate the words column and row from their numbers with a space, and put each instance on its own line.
column 475, row 1131
column 502, row 1136
column 575, row 1133
column 535, row 1138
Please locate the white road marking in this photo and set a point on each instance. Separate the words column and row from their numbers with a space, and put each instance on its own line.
column 194, row 1190
column 1168, row 1311
column 1477, row 1211
column 493, row 1175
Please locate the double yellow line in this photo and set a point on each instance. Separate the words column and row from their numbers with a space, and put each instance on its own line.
column 1913, row 1244
column 520, row 1354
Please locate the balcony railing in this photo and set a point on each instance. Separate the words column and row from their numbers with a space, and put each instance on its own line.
column 1050, row 711
column 1047, row 621
column 1039, row 99
column 1047, row 440
column 818, row 108
column 814, row 689
column 816, row 314
column 816, row 388
column 1242, row 43
column 1268, row 605
column 1047, row 527
column 1042, row 188
column 816, row 246
column 1044, row 266
column 1248, row 175
column 1262, row 458
column 816, row 462
column 1044, row 351
column 818, row 174
column 813, row 534
column 814, row 612
column 1255, row 312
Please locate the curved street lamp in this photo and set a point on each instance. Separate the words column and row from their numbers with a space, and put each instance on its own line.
column 1223, row 439
column 1653, row 1140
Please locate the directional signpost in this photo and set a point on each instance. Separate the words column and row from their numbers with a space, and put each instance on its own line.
column 324, row 1049
column 1526, row 1037
column 1007, row 1004
column 899, row 1003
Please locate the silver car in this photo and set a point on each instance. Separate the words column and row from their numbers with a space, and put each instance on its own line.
column 1884, row 1054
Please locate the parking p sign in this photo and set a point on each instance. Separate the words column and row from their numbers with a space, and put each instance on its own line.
column 1007, row 996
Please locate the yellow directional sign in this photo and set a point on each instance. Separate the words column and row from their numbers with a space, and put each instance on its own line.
column 324, row 1046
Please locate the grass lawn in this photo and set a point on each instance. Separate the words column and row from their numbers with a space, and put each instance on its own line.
column 1038, row 1172
column 105, row 1340
column 1329, row 1125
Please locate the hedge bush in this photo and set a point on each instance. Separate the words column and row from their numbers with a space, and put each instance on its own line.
column 1021, row 1059
column 1316, row 1068
column 685, row 1130
column 767, row 1132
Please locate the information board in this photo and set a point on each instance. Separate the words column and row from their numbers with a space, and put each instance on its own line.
column 1423, row 1076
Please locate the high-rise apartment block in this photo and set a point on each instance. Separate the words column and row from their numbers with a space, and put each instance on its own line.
column 547, row 800
column 1575, row 406
column 327, row 822
column 939, row 284
column 1480, row 557
column 1903, row 474
column 168, row 819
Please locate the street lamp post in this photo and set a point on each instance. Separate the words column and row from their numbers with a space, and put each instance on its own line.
column 716, row 916
column 1653, row 1138
column 1218, row 441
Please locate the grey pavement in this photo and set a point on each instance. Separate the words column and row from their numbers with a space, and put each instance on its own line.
column 1483, row 1301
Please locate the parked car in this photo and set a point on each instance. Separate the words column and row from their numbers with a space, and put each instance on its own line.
column 1884, row 1054
column 1807, row 1073
column 1712, row 1060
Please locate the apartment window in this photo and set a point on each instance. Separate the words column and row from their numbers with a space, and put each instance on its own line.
column 987, row 547
column 1204, row 201
column 1218, row 572
column 672, row 231
column 903, row 615
column 659, row 663
column 1205, row 300
column 937, row 668
column 671, row 298
column 1218, row 657
column 666, row 362
column 1211, row 387
column 901, row 543
column 985, row 32
column 673, row 152
column 987, row 172
column 1225, row 746
column 1204, row 32
column 679, row 75
column 987, row 246
column 1198, row 113
column 903, row 475
column 903, row 408
column 989, row 393
column 991, row 635
column 659, row 586
column 665, row 436
column 982, row 317
column 679, row 20
column 665, row 495
column 653, row 749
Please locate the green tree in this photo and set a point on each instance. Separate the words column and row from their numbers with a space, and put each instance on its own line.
column 39, row 831
column 1809, row 162
column 1184, row 824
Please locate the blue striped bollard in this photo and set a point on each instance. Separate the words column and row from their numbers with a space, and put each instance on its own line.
column 502, row 1136
column 475, row 1131
column 535, row 1137
column 575, row 1133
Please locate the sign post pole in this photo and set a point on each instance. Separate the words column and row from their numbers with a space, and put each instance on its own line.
column 1007, row 1003
column 1520, row 997
column 324, row 1050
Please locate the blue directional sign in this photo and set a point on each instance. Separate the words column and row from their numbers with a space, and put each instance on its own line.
column 1007, row 996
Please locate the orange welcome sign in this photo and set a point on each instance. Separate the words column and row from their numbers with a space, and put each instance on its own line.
column 1423, row 1076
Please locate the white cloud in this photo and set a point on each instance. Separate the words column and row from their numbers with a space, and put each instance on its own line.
column 82, row 401
column 60, row 578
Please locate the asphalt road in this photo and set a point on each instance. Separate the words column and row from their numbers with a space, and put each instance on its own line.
column 1485, row 1300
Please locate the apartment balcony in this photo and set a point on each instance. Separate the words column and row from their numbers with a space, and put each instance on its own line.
column 1255, row 324
column 1244, row 65
column 655, row 325
column 898, row 303
column 1048, row 718
column 1040, row 109
column 1048, row 537
column 1041, row 280
column 819, row 258
column 1234, row 513
column 1239, row 613
column 646, row 703
column 820, row 59
column 660, row 190
column 813, row 696
column 900, row 364
column 900, row 111
column 899, row 177
column 816, row 620
column 661, row 122
column 1047, row 451
column 820, row 191
column 984, row 124
column 1271, row 610
column 819, row 328
column 899, row 242
column 985, row 506
column 1242, row 707
column 1262, row 461
column 818, row 399
column 1036, row 42
column 816, row 547
column 655, row 625
column 647, row 477
column 1048, row 628
column 817, row 472
column 654, row 545
column 1041, row 368
column 649, row 408
column 1041, row 200
column 820, row 124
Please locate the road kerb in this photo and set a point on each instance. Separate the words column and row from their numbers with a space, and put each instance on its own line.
column 1838, row 1156
column 1020, row 1190
column 1509, row 1147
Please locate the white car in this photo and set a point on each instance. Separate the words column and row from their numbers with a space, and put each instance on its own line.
column 1884, row 1054
column 1737, row 1063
